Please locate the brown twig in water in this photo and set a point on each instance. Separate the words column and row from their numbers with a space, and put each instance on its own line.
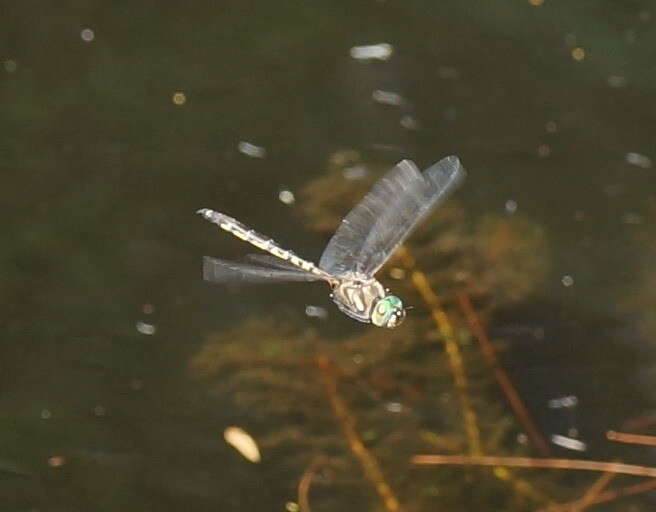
column 639, row 423
column 367, row 461
column 502, row 378
column 629, row 490
column 443, row 324
column 586, row 500
column 623, row 437
column 470, row 420
column 528, row 462
column 304, row 485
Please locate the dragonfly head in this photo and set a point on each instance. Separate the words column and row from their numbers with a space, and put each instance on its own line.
column 388, row 312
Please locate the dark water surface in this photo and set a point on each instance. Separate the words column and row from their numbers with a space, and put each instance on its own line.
column 120, row 119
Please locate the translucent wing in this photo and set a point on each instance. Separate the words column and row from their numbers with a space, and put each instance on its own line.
column 387, row 215
column 222, row 271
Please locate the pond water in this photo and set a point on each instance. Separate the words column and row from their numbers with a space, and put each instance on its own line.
column 121, row 369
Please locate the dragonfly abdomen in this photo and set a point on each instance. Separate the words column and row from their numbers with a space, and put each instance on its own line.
column 260, row 241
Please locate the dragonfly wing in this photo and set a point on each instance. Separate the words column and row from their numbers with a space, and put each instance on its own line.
column 386, row 216
column 222, row 271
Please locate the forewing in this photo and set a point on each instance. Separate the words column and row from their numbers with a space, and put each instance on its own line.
column 222, row 271
column 387, row 215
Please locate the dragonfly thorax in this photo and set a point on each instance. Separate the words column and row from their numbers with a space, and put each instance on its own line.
column 366, row 300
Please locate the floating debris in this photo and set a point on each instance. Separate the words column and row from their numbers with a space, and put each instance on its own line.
column 316, row 312
column 567, row 280
column 144, row 328
column 511, row 206
column 56, row 461
column 46, row 414
column 409, row 123
column 382, row 51
column 394, row 407
column 241, row 441
column 250, row 149
column 563, row 402
column 286, row 197
column 179, row 98
column 578, row 54
column 631, row 218
column 569, row 443
column 387, row 97
column 551, row 127
column 639, row 160
column 87, row 35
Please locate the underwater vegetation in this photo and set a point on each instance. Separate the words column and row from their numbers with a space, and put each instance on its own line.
column 343, row 417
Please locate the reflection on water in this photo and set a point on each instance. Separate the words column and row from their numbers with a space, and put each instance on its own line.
column 121, row 370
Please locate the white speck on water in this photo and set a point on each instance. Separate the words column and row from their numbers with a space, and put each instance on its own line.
column 46, row 414
column 243, row 442
column 87, row 35
column 567, row 280
column 394, row 407
column 292, row 506
column 569, row 443
column 252, row 150
column 358, row 359
column 511, row 206
column 387, row 97
column 563, row 402
column 316, row 312
column 286, row 197
column 99, row 410
column 409, row 123
column 639, row 160
column 144, row 328
column 382, row 51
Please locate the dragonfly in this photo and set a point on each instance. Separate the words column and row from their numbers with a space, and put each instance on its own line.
column 364, row 241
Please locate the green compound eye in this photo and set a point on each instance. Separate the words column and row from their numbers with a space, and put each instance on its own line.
column 388, row 312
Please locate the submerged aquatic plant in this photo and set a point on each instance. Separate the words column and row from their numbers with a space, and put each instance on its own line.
column 326, row 411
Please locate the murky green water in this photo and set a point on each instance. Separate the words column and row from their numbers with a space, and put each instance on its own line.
column 121, row 369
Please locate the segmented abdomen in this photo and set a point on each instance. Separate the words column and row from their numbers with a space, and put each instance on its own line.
column 260, row 241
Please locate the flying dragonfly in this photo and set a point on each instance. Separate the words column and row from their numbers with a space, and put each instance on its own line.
column 364, row 241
